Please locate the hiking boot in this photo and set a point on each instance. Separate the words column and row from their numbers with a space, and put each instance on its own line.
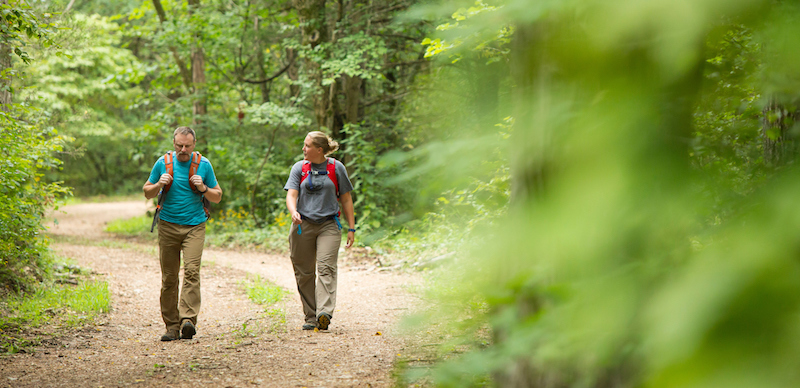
column 187, row 330
column 309, row 326
column 170, row 335
column 324, row 319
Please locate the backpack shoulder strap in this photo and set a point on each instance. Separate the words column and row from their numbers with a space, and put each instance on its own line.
column 196, row 157
column 332, row 174
column 306, row 169
column 168, row 165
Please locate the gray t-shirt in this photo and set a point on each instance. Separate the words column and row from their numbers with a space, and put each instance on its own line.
column 317, row 200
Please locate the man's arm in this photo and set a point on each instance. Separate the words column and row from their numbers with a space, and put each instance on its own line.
column 213, row 194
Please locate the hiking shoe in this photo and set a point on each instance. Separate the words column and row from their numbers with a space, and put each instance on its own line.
column 170, row 335
column 309, row 326
column 187, row 330
column 324, row 319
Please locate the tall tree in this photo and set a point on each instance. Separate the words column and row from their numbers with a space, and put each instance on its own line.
column 194, row 78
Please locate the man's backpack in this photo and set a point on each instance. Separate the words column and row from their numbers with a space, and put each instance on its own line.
column 330, row 172
column 168, row 163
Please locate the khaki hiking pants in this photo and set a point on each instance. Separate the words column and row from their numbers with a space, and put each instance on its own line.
column 172, row 239
column 316, row 249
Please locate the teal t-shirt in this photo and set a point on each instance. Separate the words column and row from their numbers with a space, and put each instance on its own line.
column 182, row 205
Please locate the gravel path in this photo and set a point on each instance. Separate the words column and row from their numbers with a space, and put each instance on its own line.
column 238, row 344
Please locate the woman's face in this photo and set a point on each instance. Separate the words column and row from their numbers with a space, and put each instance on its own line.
column 310, row 152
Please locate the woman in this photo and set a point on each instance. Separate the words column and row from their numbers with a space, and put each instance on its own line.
column 315, row 186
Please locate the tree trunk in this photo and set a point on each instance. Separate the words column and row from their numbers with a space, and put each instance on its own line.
column 530, row 157
column 184, row 71
column 293, row 73
column 198, row 83
column 779, row 146
column 312, row 18
column 5, row 81
column 352, row 98
column 264, row 86
column 198, row 73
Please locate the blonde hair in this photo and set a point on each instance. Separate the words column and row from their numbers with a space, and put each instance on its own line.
column 320, row 139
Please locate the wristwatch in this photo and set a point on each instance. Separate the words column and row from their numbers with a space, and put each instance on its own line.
column 351, row 230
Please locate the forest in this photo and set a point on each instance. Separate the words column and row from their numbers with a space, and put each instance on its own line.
column 607, row 187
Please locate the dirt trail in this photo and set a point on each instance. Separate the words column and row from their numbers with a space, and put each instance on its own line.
column 238, row 344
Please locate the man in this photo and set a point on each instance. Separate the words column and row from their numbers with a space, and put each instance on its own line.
column 181, row 227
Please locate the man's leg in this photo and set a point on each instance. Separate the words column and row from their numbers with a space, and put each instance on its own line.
column 189, row 305
column 328, row 242
column 303, row 251
column 169, row 248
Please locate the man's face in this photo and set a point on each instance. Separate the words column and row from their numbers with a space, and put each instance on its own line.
column 184, row 145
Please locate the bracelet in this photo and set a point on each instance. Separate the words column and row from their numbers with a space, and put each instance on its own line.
column 351, row 230
column 203, row 192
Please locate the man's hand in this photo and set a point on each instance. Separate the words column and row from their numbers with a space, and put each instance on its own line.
column 165, row 180
column 197, row 181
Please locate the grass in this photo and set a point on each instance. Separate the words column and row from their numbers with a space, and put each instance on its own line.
column 263, row 292
column 51, row 304
column 138, row 227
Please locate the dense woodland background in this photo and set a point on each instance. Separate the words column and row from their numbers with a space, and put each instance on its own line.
column 612, row 183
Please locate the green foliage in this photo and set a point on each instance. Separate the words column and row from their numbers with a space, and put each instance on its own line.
column 355, row 55
column 89, row 94
column 26, row 152
column 262, row 291
column 628, row 257
column 133, row 227
column 231, row 228
column 375, row 199
column 67, row 305
column 21, row 25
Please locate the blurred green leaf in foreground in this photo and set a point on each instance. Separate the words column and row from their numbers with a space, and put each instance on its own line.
column 606, row 271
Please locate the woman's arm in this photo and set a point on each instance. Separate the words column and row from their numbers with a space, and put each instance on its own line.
column 291, row 205
column 349, row 215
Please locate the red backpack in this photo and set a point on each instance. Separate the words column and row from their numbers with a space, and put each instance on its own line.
column 330, row 172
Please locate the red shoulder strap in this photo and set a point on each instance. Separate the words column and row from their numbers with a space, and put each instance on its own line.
column 304, row 172
column 332, row 174
column 196, row 156
column 168, row 166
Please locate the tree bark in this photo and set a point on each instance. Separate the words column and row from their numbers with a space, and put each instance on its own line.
column 779, row 146
column 199, row 107
column 312, row 18
column 198, row 83
column 352, row 98
column 184, row 71
column 264, row 86
column 5, row 82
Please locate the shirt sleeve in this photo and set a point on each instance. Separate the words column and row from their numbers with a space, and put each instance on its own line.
column 209, row 178
column 157, row 171
column 294, row 177
column 345, row 186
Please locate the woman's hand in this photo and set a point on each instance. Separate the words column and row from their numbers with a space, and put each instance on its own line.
column 351, row 238
column 297, row 218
